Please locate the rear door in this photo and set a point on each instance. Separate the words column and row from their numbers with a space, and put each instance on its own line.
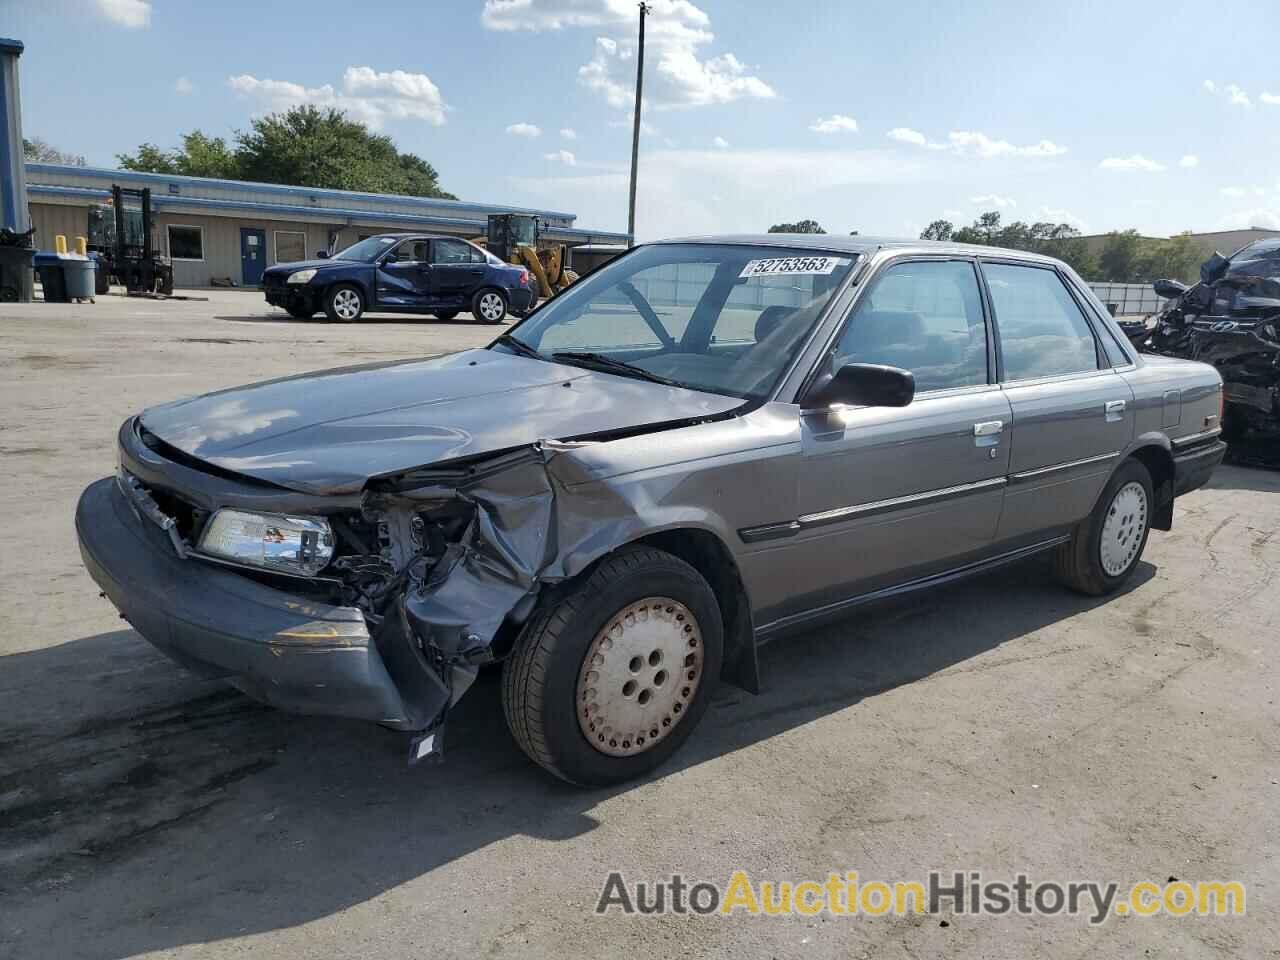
column 253, row 255
column 455, row 275
column 889, row 494
column 1072, row 414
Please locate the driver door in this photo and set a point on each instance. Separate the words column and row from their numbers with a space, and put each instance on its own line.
column 887, row 495
column 404, row 276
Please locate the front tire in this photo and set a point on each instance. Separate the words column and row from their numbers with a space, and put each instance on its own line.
column 344, row 304
column 445, row 315
column 611, row 677
column 1106, row 546
column 489, row 305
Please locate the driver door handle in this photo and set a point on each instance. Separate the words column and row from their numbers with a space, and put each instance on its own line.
column 1114, row 410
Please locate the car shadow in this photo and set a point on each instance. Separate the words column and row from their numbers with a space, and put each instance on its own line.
column 400, row 319
column 159, row 810
column 1241, row 476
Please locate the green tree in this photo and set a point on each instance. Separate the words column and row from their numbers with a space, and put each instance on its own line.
column 303, row 146
column 41, row 151
column 804, row 226
column 1177, row 258
column 1121, row 257
column 938, row 230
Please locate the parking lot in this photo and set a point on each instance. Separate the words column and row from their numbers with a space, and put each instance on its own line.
column 1001, row 725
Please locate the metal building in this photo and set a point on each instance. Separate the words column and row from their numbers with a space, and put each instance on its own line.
column 229, row 229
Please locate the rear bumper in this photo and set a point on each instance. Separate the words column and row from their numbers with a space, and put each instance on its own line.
column 1193, row 466
column 285, row 650
column 522, row 299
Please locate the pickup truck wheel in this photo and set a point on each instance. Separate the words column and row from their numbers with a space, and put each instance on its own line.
column 612, row 676
column 489, row 305
column 1106, row 546
column 344, row 304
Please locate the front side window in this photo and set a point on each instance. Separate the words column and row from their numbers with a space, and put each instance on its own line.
column 366, row 250
column 450, row 251
column 925, row 317
column 411, row 251
column 186, row 243
column 726, row 318
column 1042, row 331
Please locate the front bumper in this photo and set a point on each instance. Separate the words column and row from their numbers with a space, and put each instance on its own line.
column 1193, row 466
column 299, row 295
column 284, row 650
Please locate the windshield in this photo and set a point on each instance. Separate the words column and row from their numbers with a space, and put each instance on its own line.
column 725, row 318
column 367, row 250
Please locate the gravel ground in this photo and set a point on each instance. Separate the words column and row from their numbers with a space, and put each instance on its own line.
column 1002, row 725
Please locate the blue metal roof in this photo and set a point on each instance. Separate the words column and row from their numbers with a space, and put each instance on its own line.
column 161, row 202
column 11, row 46
column 210, row 183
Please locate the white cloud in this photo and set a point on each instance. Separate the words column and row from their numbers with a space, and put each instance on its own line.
column 366, row 95
column 1233, row 191
column 676, row 31
column 568, row 133
column 1189, row 160
column 972, row 143
column 134, row 14
column 1266, row 217
column 993, row 200
column 1270, row 98
column 1058, row 215
column 836, row 123
column 721, row 143
column 1237, row 96
column 183, row 87
column 564, row 156
column 524, row 130
column 1135, row 161
column 953, row 214
column 907, row 135
column 1211, row 86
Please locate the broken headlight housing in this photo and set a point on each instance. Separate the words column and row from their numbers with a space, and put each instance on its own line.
column 301, row 546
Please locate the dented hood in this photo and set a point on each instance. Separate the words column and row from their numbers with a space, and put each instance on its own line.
column 330, row 431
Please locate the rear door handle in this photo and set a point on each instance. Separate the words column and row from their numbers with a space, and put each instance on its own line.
column 1114, row 410
column 987, row 433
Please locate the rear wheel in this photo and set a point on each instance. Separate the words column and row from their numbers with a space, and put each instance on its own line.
column 1105, row 547
column 101, row 280
column 344, row 304
column 489, row 305
column 612, row 677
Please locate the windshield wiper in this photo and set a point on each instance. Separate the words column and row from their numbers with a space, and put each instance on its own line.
column 519, row 346
column 608, row 363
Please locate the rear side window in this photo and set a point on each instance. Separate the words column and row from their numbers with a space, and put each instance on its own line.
column 1042, row 331
column 925, row 317
column 450, row 251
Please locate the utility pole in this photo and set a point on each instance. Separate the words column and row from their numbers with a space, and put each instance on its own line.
column 635, row 131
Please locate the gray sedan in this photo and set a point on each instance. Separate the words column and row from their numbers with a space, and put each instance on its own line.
column 707, row 443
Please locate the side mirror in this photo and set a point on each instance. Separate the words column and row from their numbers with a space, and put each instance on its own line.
column 1169, row 289
column 322, row 254
column 863, row 385
column 1214, row 268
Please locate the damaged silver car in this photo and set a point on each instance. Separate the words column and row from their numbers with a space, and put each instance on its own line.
column 702, row 445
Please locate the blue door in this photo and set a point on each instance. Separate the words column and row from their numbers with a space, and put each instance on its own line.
column 253, row 255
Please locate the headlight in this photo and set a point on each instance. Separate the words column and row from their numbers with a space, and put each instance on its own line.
column 299, row 545
column 301, row 276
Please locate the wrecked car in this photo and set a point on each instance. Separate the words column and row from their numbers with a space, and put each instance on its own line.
column 1230, row 319
column 702, row 445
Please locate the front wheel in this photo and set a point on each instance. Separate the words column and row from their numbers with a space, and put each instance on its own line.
column 445, row 315
column 1106, row 546
column 489, row 306
column 609, row 679
column 344, row 304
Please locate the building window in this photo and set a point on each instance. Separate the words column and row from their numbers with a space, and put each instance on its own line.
column 291, row 246
column 186, row 243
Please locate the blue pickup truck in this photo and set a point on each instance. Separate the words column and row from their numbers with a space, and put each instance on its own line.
column 402, row 273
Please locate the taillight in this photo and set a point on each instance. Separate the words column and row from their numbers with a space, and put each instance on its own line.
column 524, row 278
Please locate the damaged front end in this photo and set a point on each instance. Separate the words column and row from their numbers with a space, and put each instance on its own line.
column 433, row 573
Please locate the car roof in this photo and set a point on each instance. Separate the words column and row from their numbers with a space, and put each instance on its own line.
column 420, row 236
column 837, row 243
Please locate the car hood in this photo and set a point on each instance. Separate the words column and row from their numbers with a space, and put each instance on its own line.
column 307, row 265
column 329, row 432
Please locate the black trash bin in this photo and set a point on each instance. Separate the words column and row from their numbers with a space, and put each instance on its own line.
column 15, row 274
column 54, row 281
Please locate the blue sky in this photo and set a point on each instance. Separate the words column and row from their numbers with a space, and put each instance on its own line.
column 875, row 117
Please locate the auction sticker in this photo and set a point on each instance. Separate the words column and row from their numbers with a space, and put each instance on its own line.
column 791, row 266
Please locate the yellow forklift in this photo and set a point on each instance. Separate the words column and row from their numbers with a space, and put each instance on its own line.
column 517, row 239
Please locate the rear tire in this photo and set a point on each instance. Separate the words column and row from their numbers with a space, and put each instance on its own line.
column 344, row 303
column 628, row 655
column 1106, row 546
column 489, row 305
